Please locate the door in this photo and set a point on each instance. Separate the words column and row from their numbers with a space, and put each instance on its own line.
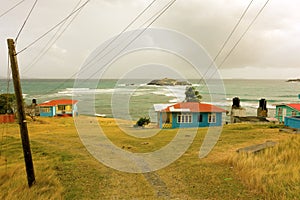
column 283, row 113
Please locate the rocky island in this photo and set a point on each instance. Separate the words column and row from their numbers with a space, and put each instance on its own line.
column 168, row 82
column 293, row 80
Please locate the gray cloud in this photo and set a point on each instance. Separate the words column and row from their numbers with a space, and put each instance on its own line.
column 273, row 42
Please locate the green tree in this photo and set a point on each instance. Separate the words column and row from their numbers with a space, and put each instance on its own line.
column 192, row 95
column 7, row 103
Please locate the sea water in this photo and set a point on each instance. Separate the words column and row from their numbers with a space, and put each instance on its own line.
column 134, row 98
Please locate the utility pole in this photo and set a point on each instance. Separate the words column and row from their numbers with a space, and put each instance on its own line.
column 21, row 113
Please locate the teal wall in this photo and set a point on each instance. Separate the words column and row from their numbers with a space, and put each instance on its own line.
column 288, row 109
column 292, row 122
column 48, row 114
column 195, row 121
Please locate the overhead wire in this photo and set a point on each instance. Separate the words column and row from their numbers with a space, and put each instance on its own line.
column 52, row 40
column 13, row 7
column 109, row 44
column 26, row 19
column 125, row 39
column 228, row 38
column 162, row 12
column 240, row 38
column 54, row 27
column 124, row 30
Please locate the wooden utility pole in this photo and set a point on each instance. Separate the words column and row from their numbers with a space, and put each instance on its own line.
column 21, row 112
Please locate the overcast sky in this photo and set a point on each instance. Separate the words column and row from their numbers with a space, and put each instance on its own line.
column 270, row 49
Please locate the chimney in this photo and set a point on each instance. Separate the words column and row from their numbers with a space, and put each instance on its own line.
column 33, row 102
column 262, row 110
column 236, row 102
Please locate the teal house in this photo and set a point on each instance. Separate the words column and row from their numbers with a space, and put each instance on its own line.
column 59, row 107
column 292, row 118
column 188, row 115
column 287, row 110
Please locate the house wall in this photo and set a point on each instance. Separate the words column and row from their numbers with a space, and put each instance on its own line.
column 7, row 118
column 75, row 110
column 286, row 111
column 51, row 112
column 67, row 109
column 194, row 123
column 292, row 122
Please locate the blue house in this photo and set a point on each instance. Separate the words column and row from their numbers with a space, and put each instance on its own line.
column 293, row 120
column 59, row 107
column 189, row 114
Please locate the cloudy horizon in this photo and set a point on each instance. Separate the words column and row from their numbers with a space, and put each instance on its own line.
column 268, row 50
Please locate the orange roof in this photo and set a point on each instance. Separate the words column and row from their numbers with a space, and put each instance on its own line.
column 193, row 107
column 294, row 105
column 59, row 102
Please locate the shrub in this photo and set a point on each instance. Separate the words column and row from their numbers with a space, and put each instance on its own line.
column 143, row 121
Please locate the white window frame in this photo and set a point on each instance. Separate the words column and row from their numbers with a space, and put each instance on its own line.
column 45, row 109
column 185, row 118
column 212, row 118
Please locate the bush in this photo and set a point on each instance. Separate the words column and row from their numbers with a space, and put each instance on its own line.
column 143, row 121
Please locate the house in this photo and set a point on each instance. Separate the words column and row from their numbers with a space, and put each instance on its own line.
column 59, row 107
column 287, row 110
column 189, row 114
column 292, row 122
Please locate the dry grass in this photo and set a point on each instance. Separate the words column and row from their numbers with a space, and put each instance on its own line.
column 65, row 170
column 275, row 172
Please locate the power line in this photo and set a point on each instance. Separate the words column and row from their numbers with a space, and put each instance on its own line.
column 11, row 8
column 26, row 20
column 110, row 43
column 54, row 27
column 118, row 36
column 162, row 12
column 228, row 38
column 52, row 40
column 124, row 40
column 240, row 38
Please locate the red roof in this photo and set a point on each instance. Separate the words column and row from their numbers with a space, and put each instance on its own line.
column 59, row 102
column 294, row 105
column 193, row 107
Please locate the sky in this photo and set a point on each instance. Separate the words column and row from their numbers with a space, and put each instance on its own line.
column 269, row 50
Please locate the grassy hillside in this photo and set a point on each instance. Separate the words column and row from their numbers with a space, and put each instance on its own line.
column 65, row 170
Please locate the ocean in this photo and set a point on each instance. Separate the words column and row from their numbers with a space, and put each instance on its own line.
column 132, row 99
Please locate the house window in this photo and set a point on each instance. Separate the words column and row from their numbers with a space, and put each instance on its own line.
column 184, row 118
column 212, row 118
column 279, row 111
column 61, row 107
column 200, row 118
column 45, row 109
column 294, row 113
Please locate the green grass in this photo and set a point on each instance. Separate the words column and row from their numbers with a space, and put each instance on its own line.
column 65, row 170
